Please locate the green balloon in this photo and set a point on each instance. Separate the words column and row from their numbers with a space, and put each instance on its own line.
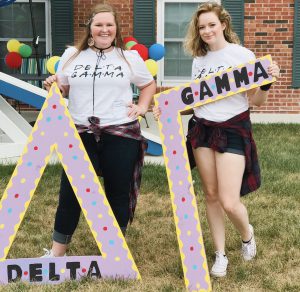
column 25, row 51
column 130, row 44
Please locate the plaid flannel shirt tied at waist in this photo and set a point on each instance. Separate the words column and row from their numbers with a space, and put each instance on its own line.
column 239, row 124
column 129, row 130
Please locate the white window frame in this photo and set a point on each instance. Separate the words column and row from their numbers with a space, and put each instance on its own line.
column 47, row 23
column 161, row 81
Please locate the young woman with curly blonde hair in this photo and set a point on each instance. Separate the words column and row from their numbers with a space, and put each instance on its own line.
column 221, row 135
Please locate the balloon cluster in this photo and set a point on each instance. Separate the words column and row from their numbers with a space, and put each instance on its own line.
column 150, row 56
column 52, row 64
column 16, row 51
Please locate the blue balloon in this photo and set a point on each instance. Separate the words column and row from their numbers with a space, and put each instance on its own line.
column 6, row 2
column 156, row 52
column 56, row 66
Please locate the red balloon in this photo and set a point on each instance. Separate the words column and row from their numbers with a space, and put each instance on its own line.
column 128, row 39
column 13, row 60
column 142, row 50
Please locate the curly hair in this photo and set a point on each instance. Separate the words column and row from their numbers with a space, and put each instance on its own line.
column 193, row 44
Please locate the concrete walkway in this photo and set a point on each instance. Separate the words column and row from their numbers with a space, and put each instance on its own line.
column 276, row 118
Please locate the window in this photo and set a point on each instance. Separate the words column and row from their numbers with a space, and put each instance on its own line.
column 173, row 17
column 15, row 23
column 143, row 21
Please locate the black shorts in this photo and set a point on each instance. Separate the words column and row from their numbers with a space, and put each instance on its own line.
column 235, row 143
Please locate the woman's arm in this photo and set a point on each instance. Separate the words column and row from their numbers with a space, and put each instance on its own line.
column 145, row 98
column 257, row 96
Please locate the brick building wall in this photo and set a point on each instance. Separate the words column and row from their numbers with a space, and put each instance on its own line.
column 268, row 30
column 82, row 9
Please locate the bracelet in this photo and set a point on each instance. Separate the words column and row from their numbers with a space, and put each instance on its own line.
column 266, row 87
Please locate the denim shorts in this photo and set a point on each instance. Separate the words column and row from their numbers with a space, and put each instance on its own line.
column 235, row 143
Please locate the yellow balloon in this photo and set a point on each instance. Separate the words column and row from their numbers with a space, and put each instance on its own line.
column 13, row 45
column 51, row 64
column 151, row 66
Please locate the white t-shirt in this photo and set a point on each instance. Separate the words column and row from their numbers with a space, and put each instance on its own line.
column 213, row 62
column 112, row 90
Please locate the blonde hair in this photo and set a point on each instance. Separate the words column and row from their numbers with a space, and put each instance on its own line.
column 83, row 42
column 193, row 44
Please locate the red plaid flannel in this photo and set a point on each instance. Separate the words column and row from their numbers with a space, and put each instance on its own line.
column 129, row 130
column 240, row 125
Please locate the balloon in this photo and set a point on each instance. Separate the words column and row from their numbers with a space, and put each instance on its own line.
column 128, row 39
column 13, row 45
column 56, row 66
column 13, row 60
column 25, row 51
column 151, row 66
column 51, row 64
column 156, row 52
column 130, row 44
column 142, row 50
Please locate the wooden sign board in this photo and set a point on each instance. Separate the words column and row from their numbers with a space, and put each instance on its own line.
column 172, row 102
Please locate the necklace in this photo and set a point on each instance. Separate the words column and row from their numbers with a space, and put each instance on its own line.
column 100, row 52
column 100, row 55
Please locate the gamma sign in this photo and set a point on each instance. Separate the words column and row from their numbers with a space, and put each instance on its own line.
column 172, row 102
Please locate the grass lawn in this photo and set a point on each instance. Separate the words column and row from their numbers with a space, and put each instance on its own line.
column 274, row 211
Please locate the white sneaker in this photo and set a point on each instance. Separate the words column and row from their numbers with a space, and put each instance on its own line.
column 249, row 249
column 220, row 266
column 49, row 254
